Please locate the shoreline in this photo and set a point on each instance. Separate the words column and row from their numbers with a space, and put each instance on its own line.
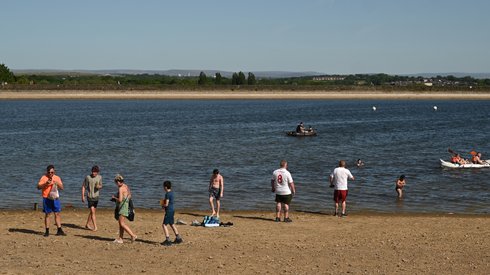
column 360, row 213
column 311, row 244
column 238, row 95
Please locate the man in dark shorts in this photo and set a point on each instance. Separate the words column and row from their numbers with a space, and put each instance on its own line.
column 216, row 188
column 282, row 184
column 168, row 204
column 91, row 186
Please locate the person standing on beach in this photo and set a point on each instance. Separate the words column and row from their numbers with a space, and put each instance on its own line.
column 168, row 219
column 400, row 183
column 122, row 204
column 338, row 180
column 282, row 184
column 91, row 185
column 215, row 189
column 50, row 184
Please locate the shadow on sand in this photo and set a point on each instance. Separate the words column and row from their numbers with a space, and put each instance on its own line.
column 254, row 218
column 313, row 212
column 104, row 239
column 74, row 226
column 25, row 231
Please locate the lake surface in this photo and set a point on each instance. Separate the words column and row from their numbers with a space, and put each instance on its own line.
column 183, row 141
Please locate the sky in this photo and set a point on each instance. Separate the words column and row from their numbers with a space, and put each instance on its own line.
column 326, row 36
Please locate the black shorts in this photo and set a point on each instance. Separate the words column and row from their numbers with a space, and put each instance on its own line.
column 92, row 203
column 215, row 193
column 286, row 199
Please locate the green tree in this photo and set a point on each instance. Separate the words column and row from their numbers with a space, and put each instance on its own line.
column 5, row 74
column 234, row 79
column 202, row 79
column 218, row 78
column 251, row 79
column 241, row 78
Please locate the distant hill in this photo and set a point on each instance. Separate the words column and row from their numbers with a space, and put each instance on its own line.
column 183, row 73
column 474, row 75
column 194, row 73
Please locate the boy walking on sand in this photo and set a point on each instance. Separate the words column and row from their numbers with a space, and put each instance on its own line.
column 91, row 186
column 168, row 204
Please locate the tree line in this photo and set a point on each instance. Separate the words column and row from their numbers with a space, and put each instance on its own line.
column 236, row 81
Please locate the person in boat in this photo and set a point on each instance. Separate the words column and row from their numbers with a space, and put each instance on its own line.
column 310, row 129
column 300, row 128
column 457, row 159
column 476, row 159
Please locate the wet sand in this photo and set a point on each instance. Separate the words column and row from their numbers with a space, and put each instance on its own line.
column 169, row 95
column 314, row 243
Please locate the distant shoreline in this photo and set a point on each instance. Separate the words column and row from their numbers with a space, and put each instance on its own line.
column 237, row 95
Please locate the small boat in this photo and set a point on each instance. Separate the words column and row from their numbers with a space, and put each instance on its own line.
column 449, row 164
column 309, row 133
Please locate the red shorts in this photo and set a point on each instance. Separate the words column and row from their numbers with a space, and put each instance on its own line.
column 340, row 195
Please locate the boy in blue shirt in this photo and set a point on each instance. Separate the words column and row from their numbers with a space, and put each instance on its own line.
column 168, row 205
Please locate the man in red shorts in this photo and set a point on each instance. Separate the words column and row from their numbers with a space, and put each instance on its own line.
column 338, row 179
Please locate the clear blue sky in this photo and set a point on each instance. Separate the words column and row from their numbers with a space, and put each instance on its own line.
column 329, row 36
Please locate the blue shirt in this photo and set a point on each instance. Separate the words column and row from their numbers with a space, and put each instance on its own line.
column 170, row 197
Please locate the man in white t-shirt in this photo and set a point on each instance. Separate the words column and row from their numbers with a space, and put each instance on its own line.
column 282, row 184
column 338, row 179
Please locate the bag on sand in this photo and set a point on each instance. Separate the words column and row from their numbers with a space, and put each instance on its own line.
column 131, row 211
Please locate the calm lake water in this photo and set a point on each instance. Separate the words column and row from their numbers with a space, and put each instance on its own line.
column 183, row 141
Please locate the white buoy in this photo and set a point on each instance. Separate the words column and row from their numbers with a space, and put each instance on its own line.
column 374, row 108
column 435, row 108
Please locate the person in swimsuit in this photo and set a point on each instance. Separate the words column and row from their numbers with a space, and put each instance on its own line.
column 122, row 203
column 400, row 183
column 476, row 159
column 215, row 189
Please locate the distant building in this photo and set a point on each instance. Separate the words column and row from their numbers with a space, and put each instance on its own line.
column 328, row 78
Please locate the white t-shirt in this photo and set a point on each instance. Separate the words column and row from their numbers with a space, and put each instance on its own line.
column 282, row 178
column 340, row 176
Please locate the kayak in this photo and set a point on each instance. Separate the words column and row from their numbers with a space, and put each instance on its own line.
column 469, row 165
column 305, row 134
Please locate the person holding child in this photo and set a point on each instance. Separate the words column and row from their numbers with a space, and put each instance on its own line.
column 168, row 204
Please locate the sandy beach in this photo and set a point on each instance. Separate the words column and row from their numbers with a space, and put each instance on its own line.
column 314, row 243
column 169, row 95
